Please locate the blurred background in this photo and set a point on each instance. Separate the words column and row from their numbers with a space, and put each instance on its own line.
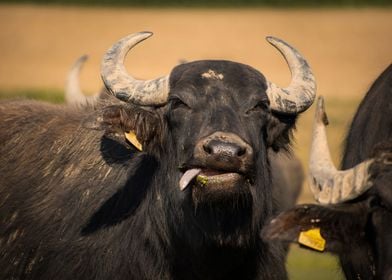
column 347, row 43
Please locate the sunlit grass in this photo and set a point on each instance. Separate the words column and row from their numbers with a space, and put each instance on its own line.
column 50, row 95
column 306, row 264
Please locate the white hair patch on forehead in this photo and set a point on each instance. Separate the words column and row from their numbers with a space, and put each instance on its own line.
column 211, row 74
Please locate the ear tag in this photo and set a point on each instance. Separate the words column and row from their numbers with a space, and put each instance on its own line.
column 131, row 137
column 312, row 239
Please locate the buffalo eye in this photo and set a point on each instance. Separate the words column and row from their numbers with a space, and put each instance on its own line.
column 260, row 106
column 177, row 103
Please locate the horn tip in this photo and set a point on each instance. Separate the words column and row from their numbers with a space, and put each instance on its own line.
column 274, row 40
column 78, row 63
column 83, row 58
column 146, row 33
column 271, row 39
column 320, row 101
column 138, row 36
column 321, row 114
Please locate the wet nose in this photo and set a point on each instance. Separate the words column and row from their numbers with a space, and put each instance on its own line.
column 226, row 151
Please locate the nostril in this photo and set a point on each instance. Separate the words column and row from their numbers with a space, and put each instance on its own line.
column 207, row 149
column 241, row 151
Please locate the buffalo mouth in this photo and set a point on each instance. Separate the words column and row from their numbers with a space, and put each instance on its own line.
column 210, row 179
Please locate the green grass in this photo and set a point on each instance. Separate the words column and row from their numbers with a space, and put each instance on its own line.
column 306, row 264
column 50, row 95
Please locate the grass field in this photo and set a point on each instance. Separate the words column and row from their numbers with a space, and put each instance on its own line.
column 347, row 48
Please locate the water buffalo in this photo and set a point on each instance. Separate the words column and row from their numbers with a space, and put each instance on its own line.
column 77, row 201
column 287, row 173
column 354, row 221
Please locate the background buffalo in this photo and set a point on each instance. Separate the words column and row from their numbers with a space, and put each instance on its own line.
column 354, row 222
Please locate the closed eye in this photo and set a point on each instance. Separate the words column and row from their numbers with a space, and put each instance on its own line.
column 176, row 103
column 260, row 106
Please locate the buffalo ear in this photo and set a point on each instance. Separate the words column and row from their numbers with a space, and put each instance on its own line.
column 128, row 124
column 280, row 131
column 339, row 226
column 288, row 225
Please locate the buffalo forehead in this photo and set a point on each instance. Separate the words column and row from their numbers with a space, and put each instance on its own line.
column 217, row 72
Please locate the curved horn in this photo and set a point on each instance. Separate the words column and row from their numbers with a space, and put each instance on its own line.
column 124, row 86
column 300, row 94
column 73, row 93
column 329, row 185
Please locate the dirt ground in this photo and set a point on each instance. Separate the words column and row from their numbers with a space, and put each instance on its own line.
column 347, row 48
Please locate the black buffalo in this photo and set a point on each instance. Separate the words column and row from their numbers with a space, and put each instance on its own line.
column 77, row 201
column 287, row 174
column 355, row 222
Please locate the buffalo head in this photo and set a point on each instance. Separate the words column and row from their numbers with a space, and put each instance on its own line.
column 214, row 121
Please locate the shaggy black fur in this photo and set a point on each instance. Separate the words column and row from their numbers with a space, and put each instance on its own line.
column 77, row 201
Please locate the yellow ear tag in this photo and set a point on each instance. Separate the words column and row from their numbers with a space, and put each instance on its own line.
column 131, row 137
column 312, row 239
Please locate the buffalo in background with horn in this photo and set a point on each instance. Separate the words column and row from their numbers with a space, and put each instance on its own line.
column 77, row 201
column 354, row 221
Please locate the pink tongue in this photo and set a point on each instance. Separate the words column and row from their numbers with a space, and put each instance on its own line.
column 188, row 177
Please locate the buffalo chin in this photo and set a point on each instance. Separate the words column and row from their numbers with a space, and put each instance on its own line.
column 222, row 207
column 219, row 187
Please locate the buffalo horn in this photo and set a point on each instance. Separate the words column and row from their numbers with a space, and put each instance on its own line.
column 73, row 93
column 125, row 87
column 300, row 93
column 329, row 185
